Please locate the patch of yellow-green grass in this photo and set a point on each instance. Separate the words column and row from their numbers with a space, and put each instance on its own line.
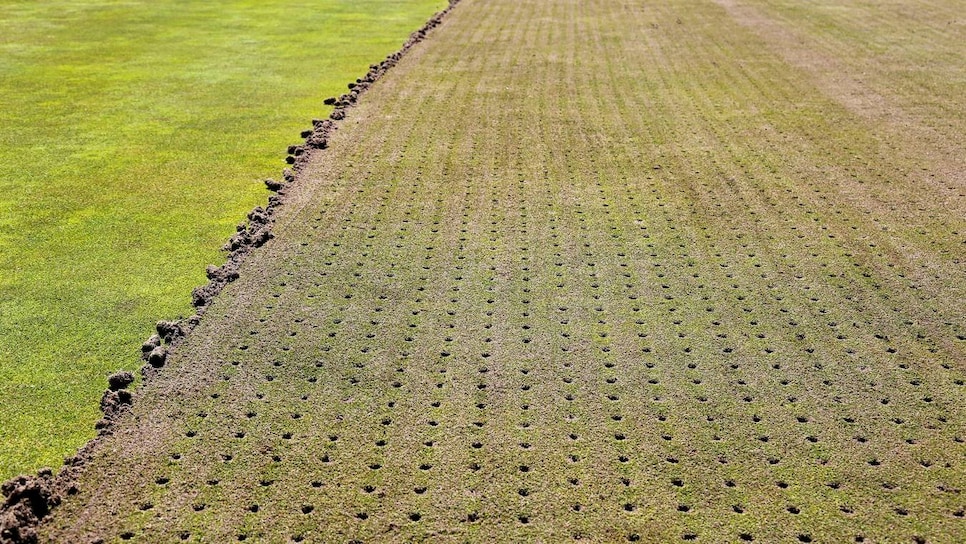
column 133, row 137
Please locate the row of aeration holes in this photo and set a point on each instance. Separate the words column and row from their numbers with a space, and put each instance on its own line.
column 522, row 244
column 582, row 251
column 481, row 393
column 382, row 443
column 429, row 443
column 481, row 387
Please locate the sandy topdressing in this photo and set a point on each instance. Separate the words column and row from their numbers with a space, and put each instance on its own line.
column 585, row 270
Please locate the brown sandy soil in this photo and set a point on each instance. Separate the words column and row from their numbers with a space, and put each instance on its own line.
column 585, row 270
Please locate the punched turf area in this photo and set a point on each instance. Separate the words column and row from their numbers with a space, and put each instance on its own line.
column 590, row 271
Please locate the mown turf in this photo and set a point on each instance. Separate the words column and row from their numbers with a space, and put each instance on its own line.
column 582, row 270
column 133, row 137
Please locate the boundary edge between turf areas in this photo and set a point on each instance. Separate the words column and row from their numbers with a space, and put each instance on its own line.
column 30, row 499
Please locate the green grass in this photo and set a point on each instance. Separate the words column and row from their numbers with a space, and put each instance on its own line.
column 133, row 137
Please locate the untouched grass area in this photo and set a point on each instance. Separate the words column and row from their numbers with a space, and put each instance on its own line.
column 582, row 270
column 134, row 135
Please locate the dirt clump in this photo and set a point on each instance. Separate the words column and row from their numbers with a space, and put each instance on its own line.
column 158, row 356
column 170, row 331
column 27, row 500
column 112, row 402
column 226, row 272
column 148, row 346
column 120, row 380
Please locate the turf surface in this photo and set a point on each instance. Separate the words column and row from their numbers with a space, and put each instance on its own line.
column 133, row 137
column 589, row 270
